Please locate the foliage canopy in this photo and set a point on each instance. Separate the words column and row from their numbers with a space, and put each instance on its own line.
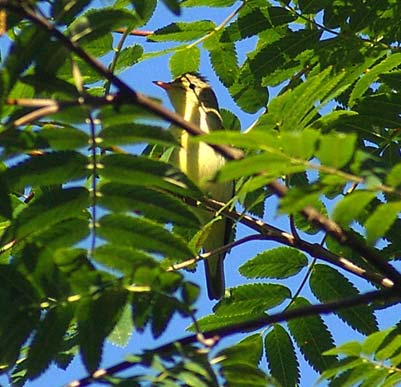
column 95, row 228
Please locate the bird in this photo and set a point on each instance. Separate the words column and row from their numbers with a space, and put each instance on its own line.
column 193, row 99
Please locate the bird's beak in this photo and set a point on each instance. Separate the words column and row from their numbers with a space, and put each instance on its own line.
column 163, row 85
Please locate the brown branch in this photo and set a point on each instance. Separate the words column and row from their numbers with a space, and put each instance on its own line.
column 314, row 249
column 310, row 213
column 134, row 32
column 307, row 311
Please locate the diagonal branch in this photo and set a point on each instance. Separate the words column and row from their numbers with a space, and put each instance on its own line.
column 250, row 325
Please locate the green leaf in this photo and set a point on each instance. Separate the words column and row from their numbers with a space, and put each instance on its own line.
column 48, row 339
column 282, row 262
column 230, row 120
column 244, row 374
column 107, row 308
column 348, row 209
column 131, row 133
column 281, row 357
column 144, row 8
column 255, row 298
column 344, row 146
column 272, row 165
column 123, row 258
column 17, row 296
column 381, row 220
column 374, row 341
column 63, row 138
column 351, row 348
column 207, row 3
column 48, row 169
column 216, row 321
column 65, row 233
column 185, row 61
column 50, row 208
column 64, row 11
column 137, row 170
column 394, row 176
column 152, row 203
column 142, row 234
column 284, row 52
column 312, row 337
column 254, row 19
column 128, row 57
column 296, row 108
column 372, row 74
column 327, row 284
column 6, row 209
column 224, row 61
column 96, row 23
column 182, row 31
column 248, row 350
column 164, row 308
column 247, row 92
column 173, row 5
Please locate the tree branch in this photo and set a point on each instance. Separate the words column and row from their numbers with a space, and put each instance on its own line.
column 251, row 325
column 314, row 249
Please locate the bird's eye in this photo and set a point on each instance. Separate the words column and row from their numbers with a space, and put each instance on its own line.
column 192, row 86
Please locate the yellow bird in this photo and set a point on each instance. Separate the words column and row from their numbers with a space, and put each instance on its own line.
column 193, row 99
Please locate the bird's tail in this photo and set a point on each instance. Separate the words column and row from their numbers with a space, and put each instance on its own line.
column 214, row 268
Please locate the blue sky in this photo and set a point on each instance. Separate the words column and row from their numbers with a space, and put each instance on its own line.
column 140, row 78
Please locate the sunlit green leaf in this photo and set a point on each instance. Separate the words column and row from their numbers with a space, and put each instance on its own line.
column 282, row 262
column 185, row 61
column 349, row 208
column 381, row 220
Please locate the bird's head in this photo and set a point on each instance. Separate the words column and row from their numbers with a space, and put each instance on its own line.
column 189, row 88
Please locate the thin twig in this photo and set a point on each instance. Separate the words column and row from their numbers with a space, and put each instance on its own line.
column 211, row 253
column 134, row 32
column 94, row 185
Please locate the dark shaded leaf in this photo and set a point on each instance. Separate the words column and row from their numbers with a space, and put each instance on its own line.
column 21, row 301
column 152, row 203
column 47, row 340
column 128, row 57
column 328, row 284
column 125, row 134
column 182, row 31
column 51, row 208
column 281, row 357
column 248, row 350
column 254, row 298
column 312, row 337
column 48, row 169
column 107, row 308
column 137, row 170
